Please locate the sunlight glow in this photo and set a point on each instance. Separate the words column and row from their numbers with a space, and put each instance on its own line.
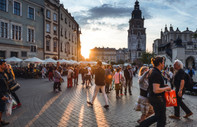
column 85, row 51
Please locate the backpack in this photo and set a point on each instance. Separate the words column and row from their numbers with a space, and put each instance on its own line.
column 188, row 82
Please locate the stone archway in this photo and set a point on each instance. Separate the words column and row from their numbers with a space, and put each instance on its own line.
column 190, row 62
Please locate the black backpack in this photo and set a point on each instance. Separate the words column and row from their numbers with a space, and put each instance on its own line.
column 188, row 82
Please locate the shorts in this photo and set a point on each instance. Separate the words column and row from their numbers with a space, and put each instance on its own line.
column 2, row 105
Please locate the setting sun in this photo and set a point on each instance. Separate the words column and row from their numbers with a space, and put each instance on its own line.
column 85, row 52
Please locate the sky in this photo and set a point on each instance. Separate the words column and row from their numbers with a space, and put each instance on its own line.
column 104, row 23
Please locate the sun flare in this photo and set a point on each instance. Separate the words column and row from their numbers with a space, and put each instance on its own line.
column 85, row 52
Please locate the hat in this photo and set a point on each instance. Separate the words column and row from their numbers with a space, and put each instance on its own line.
column 2, row 61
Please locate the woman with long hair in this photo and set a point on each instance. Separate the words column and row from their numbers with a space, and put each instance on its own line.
column 143, row 104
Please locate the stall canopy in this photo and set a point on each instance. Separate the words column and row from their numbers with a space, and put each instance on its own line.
column 13, row 59
column 64, row 61
column 34, row 60
column 50, row 60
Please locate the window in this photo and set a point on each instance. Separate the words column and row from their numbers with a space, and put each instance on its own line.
column 3, row 5
column 65, row 34
column 31, row 13
column 55, row 30
column 69, row 24
column 61, row 47
column 65, row 48
column 65, row 20
column 48, row 14
column 61, row 32
column 4, row 30
column 12, row 54
column 48, row 28
column 33, row 48
column 16, row 32
column 47, row 45
column 2, row 54
column 55, row 46
column 23, row 54
column 30, row 35
column 55, row 17
column 61, row 17
column 17, row 8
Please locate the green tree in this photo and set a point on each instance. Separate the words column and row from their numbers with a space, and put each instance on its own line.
column 146, row 57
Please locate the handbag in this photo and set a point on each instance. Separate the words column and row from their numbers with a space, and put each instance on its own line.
column 14, row 86
column 170, row 97
column 9, row 105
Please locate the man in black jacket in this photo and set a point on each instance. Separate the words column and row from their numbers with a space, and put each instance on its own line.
column 128, row 74
column 100, row 84
column 4, row 90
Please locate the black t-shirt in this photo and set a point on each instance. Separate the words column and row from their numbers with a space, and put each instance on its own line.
column 3, row 87
column 180, row 75
column 155, row 77
column 100, row 77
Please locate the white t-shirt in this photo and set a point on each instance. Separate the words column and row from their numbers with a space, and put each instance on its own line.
column 89, row 71
column 171, row 74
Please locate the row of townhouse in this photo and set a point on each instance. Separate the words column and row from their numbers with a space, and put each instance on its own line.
column 38, row 28
column 110, row 55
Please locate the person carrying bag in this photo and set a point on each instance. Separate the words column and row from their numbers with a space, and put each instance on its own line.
column 170, row 97
column 12, row 84
column 117, row 80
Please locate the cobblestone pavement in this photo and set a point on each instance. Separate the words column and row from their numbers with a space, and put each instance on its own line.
column 41, row 107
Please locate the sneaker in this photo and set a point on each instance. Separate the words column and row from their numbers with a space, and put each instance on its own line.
column 14, row 106
column 106, row 106
column 89, row 103
column 121, row 94
column 18, row 105
column 187, row 115
column 174, row 117
column 3, row 123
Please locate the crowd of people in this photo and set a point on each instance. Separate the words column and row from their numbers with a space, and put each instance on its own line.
column 152, row 85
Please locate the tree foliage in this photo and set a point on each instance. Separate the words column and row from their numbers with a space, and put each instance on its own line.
column 146, row 57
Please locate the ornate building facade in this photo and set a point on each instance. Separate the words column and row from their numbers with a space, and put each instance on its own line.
column 136, row 33
column 176, row 44
column 51, row 29
column 103, row 54
column 21, row 28
column 123, row 55
column 69, row 35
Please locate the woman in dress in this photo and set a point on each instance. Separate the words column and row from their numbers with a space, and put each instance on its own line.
column 143, row 104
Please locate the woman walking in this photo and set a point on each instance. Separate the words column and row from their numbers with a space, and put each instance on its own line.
column 11, row 80
column 156, row 92
column 143, row 104
column 118, row 77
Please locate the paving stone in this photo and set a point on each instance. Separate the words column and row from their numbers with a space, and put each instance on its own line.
column 42, row 107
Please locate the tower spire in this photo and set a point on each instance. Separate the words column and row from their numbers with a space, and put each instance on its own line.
column 137, row 14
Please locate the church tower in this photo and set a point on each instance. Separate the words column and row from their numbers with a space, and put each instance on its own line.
column 136, row 33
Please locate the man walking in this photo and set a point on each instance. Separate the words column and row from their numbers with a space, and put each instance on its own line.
column 108, row 78
column 100, row 84
column 128, row 74
column 179, row 82
column 4, row 90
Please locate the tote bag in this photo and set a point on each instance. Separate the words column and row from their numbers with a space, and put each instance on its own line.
column 171, row 99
